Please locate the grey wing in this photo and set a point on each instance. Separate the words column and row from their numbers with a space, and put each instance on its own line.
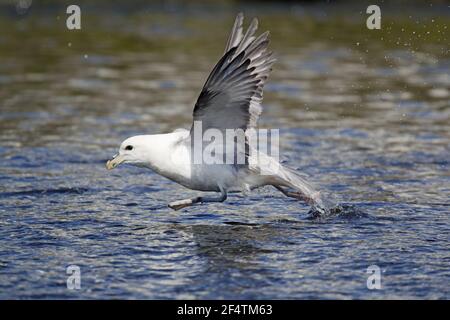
column 232, row 95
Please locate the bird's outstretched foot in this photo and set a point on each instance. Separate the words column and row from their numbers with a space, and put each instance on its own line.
column 180, row 204
column 177, row 205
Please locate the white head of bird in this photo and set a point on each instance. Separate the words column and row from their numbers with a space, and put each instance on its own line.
column 134, row 150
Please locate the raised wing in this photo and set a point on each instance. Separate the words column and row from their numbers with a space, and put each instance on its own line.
column 232, row 95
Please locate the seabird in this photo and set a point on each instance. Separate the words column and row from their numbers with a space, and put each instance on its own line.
column 230, row 100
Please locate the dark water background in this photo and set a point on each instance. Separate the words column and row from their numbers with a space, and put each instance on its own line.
column 365, row 113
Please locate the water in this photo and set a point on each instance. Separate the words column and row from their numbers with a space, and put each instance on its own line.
column 365, row 113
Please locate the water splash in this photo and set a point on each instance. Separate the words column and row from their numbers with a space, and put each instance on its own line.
column 347, row 211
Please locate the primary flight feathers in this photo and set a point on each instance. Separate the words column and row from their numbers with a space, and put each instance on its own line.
column 232, row 95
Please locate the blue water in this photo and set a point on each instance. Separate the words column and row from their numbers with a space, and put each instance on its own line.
column 376, row 140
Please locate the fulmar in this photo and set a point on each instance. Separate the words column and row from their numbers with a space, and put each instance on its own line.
column 230, row 100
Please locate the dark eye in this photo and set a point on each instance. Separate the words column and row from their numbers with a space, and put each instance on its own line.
column 129, row 148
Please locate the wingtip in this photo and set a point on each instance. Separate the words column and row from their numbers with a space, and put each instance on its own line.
column 239, row 20
column 254, row 23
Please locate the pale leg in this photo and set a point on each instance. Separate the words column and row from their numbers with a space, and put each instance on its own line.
column 177, row 205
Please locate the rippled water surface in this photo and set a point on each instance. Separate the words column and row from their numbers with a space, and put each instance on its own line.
column 364, row 113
